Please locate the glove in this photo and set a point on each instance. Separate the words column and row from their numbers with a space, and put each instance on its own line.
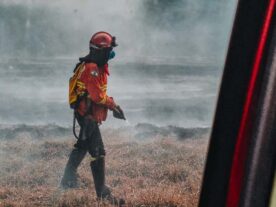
column 118, row 113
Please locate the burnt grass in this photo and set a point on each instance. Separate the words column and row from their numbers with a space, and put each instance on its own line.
column 154, row 171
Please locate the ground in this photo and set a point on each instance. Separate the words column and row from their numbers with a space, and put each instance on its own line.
column 161, row 170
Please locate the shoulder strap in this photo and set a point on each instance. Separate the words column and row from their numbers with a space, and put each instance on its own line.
column 76, row 67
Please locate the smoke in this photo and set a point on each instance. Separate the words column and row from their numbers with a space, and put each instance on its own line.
column 167, row 66
column 165, row 77
column 146, row 30
column 61, row 28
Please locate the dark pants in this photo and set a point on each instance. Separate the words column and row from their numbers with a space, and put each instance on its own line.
column 90, row 140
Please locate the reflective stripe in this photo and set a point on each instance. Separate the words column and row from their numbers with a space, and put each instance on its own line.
column 96, row 158
column 103, row 101
column 80, row 85
column 93, row 159
column 81, row 70
column 80, row 93
column 72, row 100
column 103, row 87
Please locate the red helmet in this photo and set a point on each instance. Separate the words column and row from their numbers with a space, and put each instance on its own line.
column 102, row 40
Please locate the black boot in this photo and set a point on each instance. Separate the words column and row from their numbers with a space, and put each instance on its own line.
column 102, row 191
column 69, row 179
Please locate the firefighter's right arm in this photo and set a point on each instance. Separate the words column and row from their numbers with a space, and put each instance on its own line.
column 97, row 92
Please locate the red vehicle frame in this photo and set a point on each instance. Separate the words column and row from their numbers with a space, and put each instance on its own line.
column 241, row 159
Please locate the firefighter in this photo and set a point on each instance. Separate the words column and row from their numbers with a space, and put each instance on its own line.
column 91, row 104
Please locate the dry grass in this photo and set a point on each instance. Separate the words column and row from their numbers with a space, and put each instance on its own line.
column 160, row 171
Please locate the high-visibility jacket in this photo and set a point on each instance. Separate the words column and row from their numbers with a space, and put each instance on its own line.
column 93, row 80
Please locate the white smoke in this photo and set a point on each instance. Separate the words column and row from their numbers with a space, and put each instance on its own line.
column 164, row 46
column 146, row 30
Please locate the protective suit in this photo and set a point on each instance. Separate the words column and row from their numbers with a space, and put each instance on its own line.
column 90, row 109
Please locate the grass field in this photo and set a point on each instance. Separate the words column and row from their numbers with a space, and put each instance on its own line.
column 156, row 171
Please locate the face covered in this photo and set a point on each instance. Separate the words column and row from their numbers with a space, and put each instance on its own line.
column 102, row 56
column 111, row 55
